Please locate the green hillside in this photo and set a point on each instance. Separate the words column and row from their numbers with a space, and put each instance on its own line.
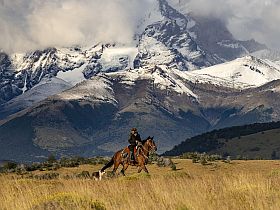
column 256, row 141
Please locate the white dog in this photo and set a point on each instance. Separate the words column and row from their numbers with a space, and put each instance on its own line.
column 98, row 175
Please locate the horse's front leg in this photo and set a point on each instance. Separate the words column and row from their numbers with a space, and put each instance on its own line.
column 142, row 166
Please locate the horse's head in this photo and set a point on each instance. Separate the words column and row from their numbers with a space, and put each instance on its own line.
column 152, row 147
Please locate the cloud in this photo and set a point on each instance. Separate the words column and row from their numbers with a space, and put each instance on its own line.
column 36, row 24
column 246, row 19
column 32, row 24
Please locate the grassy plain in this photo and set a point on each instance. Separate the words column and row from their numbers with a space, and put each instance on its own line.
column 235, row 185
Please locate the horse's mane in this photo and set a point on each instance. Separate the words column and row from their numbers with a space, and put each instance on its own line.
column 144, row 141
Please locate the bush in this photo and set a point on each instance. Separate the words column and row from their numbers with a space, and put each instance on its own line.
column 51, row 159
column 68, row 201
column 202, row 158
column 227, row 160
column 9, row 167
column 153, row 158
column 52, row 164
column 21, row 169
column 164, row 162
column 240, row 157
column 84, row 174
column 47, row 176
column 173, row 167
column 33, row 167
column 203, row 161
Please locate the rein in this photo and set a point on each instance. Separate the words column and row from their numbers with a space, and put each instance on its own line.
column 147, row 150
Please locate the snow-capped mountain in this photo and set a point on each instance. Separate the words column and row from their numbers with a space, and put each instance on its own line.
column 241, row 73
column 272, row 56
column 169, row 36
column 183, row 76
column 41, row 91
column 93, row 117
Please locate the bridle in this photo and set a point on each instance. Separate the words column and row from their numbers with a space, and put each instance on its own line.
column 151, row 148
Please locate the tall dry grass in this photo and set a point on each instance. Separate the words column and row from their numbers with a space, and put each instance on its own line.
column 169, row 190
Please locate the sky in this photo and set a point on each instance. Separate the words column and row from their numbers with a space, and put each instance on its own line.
column 246, row 19
column 36, row 24
column 33, row 24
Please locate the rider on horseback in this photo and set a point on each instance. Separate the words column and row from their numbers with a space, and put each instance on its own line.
column 134, row 140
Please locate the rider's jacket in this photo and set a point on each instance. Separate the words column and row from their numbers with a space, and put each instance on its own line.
column 133, row 138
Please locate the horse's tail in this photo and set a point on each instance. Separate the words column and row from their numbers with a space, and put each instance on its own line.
column 108, row 165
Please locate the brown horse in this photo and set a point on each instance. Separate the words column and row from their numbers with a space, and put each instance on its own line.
column 122, row 157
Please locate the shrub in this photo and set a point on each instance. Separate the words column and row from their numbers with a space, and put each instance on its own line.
column 202, row 158
column 33, row 167
column 84, row 174
column 203, row 161
column 240, row 157
column 173, row 167
column 164, row 162
column 51, row 159
column 9, row 166
column 21, row 169
column 153, row 158
column 68, row 201
column 47, row 176
column 227, row 160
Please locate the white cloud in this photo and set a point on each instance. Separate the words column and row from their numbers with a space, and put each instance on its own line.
column 36, row 24
column 246, row 19
column 32, row 24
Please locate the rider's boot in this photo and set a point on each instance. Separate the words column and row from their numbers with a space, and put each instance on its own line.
column 132, row 158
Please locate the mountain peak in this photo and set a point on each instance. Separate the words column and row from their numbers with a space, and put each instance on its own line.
column 243, row 72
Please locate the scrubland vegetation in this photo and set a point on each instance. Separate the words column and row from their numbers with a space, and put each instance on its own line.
column 218, row 184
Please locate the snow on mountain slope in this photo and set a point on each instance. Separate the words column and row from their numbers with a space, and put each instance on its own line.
column 74, row 76
column 162, row 77
column 154, row 52
column 119, row 58
column 98, row 89
column 30, row 68
column 62, row 58
column 39, row 92
column 275, row 64
column 242, row 72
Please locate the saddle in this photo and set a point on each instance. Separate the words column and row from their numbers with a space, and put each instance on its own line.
column 126, row 152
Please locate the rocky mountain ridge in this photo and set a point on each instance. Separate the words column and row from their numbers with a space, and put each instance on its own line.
column 94, row 117
column 171, row 38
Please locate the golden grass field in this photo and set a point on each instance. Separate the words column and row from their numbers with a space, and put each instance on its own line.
column 236, row 185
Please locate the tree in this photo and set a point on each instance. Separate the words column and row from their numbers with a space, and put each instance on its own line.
column 274, row 155
column 51, row 159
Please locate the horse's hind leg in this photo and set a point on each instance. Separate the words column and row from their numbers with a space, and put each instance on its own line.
column 142, row 167
column 125, row 166
column 116, row 165
column 145, row 169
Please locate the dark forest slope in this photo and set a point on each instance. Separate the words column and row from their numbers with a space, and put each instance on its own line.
column 260, row 140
